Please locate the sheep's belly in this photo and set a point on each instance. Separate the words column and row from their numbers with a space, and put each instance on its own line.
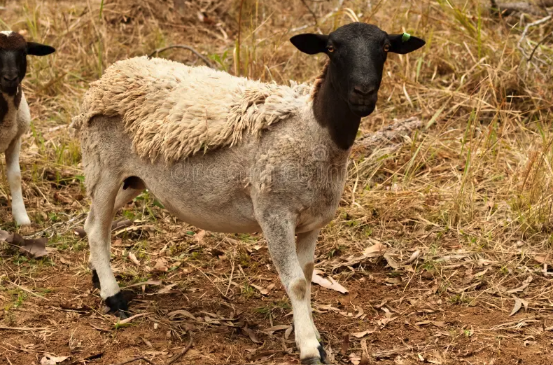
column 213, row 219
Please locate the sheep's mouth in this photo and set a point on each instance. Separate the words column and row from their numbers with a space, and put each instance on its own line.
column 362, row 110
column 11, row 90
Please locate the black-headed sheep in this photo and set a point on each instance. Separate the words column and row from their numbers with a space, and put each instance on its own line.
column 15, row 117
column 229, row 154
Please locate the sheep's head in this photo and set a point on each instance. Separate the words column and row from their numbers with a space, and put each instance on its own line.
column 357, row 53
column 13, row 59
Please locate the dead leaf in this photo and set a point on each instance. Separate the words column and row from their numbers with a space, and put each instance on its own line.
column 415, row 255
column 133, row 259
column 251, row 334
column 391, row 262
column 393, row 281
column 52, row 360
column 121, row 223
column 522, row 287
column 362, row 334
column 200, row 236
column 327, row 282
column 166, row 289
column 4, row 235
column 34, row 247
column 354, row 358
column 161, row 265
column 62, row 198
column 518, row 304
column 543, row 259
column 345, row 344
column 435, row 323
column 280, row 327
column 375, row 250
column 261, row 289
column 148, row 282
column 288, row 332
column 131, row 318
column 181, row 313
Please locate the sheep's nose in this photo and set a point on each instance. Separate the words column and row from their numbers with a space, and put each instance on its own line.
column 10, row 78
column 364, row 89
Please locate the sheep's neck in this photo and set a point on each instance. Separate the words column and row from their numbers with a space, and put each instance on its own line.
column 8, row 101
column 333, row 113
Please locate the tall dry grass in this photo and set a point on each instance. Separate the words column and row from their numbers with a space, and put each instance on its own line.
column 479, row 175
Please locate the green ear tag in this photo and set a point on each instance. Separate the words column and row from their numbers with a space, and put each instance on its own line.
column 405, row 37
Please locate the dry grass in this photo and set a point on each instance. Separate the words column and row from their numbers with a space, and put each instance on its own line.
column 472, row 191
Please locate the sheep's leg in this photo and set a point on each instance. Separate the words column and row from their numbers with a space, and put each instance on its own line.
column 279, row 229
column 306, row 255
column 98, row 229
column 14, row 179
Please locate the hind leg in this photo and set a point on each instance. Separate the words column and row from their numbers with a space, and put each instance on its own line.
column 98, row 229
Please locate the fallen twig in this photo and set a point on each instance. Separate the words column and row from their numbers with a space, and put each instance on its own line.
column 182, row 46
column 182, row 353
column 29, row 291
column 24, row 328
column 537, row 45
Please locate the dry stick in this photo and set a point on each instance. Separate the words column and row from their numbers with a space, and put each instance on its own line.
column 24, row 328
column 29, row 291
column 181, row 354
column 182, row 46
column 238, row 45
column 136, row 359
column 528, row 26
column 537, row 45
column 312, row 13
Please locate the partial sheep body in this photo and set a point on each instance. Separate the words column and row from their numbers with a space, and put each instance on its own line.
column 15, row 123
column 273, row 158
column 15, row 117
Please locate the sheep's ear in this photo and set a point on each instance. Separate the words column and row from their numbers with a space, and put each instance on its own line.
column 37, row 49
column 404, row 43
column 310, row 43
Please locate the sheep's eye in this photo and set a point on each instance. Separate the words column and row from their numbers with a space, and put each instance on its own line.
column 386, row 48
column 330, row 49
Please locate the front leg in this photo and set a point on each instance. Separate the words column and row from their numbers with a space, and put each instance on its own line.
column 14, row 179
column 278, row 226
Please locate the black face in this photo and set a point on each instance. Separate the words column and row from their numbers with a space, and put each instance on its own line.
column 13, row 59
column 357, row 53
column 13, row 66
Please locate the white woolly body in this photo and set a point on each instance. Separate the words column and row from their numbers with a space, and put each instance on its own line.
column 268, row 166
column 6, row 32
column 173, row 111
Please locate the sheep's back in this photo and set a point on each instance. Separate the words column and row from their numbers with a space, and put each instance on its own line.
column 173, row 111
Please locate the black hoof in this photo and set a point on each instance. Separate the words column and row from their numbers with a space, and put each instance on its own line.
column 95, row 279
column 312, row 361
column 322, row 353
column 118, row 305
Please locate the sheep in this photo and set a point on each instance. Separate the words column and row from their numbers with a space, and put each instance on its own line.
column 15, row 117
column 229, row 154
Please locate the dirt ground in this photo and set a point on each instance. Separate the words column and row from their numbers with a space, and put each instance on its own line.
column 398, row 317
column 443, row 238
